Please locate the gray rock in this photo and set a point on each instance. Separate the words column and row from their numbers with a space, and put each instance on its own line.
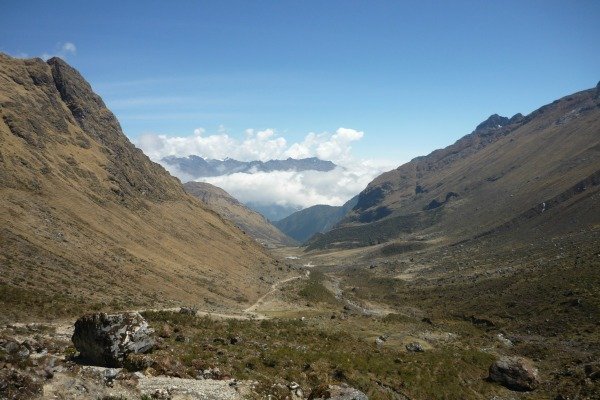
column 516, row 373
column 105, row 340
column 11, row 347
column 296, row 392
column 415, row 347
column 188, row 310
column 16, row 351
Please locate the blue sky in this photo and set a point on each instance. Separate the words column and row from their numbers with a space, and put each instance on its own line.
column 413, row 76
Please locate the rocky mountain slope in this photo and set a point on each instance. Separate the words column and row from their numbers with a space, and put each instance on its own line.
column 232, row 210
column 197, row 167
column 87, row 220
column 540, row 166
column 303, row 224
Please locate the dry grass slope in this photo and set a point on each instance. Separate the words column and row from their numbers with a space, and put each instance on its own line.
column 482, row 181
column 232, row 210
column 86, row 218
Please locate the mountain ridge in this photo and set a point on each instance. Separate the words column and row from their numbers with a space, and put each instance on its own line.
column 246, row 219
column 487, row 176
column 196, row 166
column 83, row 208
column 303, row 224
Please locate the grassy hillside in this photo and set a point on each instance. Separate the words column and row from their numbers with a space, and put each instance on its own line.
column 232, row 210
column 483, row 181
column 86, row 218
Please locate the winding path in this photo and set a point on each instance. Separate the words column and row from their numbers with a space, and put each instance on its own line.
column 274, row 287
column 64, row 328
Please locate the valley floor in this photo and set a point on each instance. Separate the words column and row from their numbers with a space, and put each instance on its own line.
column 420, row 325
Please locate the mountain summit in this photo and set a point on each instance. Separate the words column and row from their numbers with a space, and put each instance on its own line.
column 496, row 121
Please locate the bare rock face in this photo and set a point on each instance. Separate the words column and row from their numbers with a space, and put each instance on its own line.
column 516, row 373
column 337, row 392
column 106, row 340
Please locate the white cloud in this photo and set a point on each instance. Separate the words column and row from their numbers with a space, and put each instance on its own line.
column 297, row 189
column 256, row 145
column 285, row 188
column 69, row 48
column 63, row 50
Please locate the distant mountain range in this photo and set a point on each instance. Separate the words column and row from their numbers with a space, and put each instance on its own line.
column 539, row 172
column 198, row 167
column 232, row 210
column 303, row 224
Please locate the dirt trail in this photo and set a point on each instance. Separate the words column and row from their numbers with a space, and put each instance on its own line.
column 64, row 328
column 91, row 381
column 261, row 301
column 248, row 313
column 334, row 287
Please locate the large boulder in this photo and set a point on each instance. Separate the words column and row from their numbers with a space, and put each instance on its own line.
column 516, row 373
column 336, row 392
column 105, row 340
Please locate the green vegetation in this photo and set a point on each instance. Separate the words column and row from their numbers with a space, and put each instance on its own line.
column 282, row 351
column 19, row 303
column 314, row 291
column 544, row 297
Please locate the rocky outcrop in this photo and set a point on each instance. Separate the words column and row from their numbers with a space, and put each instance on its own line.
column 494, row 121
column 106, row 340
column 516, row 373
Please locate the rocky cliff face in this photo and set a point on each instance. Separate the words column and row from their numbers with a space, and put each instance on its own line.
column 86, row 218
column 504, row 168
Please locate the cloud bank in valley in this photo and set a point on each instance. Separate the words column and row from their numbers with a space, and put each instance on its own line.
column 292, row 188
column 285, row 188
column 257, row 145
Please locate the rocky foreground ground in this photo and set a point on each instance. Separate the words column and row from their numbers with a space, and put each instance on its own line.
column 103, row 357
column 120, row 356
